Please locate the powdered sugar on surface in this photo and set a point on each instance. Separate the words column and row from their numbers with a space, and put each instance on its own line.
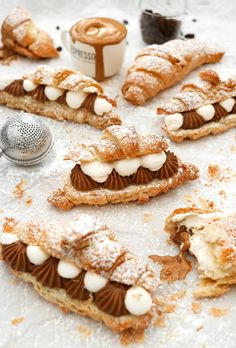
column 44, row 325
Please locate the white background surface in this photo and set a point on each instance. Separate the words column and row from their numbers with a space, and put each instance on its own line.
column 44, row 325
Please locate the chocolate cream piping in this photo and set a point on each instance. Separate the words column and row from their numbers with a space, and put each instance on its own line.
column 39, row 94
column 15, row 256
column 191, row 120
column 83, row 182
column 47, row 273
column 111, row 299
column 15, row 88
column 75, row 287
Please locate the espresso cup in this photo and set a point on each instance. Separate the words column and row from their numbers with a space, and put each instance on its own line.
column 97, row 46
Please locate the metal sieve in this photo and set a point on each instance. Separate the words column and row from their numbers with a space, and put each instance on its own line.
column 25, row 139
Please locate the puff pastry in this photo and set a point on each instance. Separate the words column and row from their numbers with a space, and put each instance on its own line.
column 83, row 268
column 212, row 240
column 158, row 67
column 122, row 166
column 60, row 93
column 21, row 35
column 201, row 108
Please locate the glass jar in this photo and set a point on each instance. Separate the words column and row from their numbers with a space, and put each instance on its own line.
column 161, row 20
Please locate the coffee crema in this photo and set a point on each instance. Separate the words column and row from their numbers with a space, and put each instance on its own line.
column 98, row 32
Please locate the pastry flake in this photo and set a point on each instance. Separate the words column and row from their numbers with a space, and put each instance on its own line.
column 201, row 108
column 60, row 93
column 158, row 67
column 83, row 268
column 122, row 166
column 21, row 35
column 212, row 240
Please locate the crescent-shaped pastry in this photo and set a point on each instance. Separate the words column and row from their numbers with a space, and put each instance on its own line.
column 212, row 240
column 83, row 268
column 158, row 67
column 60, row 93
column 21, row 35
column 201, row 108
column 122, row 166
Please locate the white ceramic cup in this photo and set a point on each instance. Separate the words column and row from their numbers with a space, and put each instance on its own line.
column 84, row 55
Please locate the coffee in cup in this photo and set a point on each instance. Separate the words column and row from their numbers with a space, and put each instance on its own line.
column 97, row 46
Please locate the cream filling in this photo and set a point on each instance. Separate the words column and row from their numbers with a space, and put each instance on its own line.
column 73, row 99
column 99, row 171
column 138, row 301
column 195, row 220
column 175, row 121
column 209, row 257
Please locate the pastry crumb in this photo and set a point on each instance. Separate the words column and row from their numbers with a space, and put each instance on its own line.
column 170, row 308
column 196, row 307
column 178, row 295
column 222, row 193
column 85, row 331
column 147, row 217
column 19, row 189
column 213, row 171
column 28, row 201
column 64, row 310
column 233, row 148
column 199, row 328
column 160, row 321
column 17, row 321
column 1, row 211
column 218, row 312
column 131, row 336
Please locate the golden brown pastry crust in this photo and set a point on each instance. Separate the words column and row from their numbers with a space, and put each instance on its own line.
column 87, row 308
column 69, row 80
column 59, row 240
column 120, row 142
column 158, row 67
column 209, row 90
column 68, row 197
column 21, row 35
column 206, row 287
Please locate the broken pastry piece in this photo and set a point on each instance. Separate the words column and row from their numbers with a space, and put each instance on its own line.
column 82, row 267
column 158, row 67
column 60, row 93
column 202, row 108
column 122, row 166
column 210, row 236
column 21, row 35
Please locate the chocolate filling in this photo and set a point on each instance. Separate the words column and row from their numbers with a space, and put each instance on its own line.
column 16, row 89
column 83, row 182
column 110, row 299
column 191, row 120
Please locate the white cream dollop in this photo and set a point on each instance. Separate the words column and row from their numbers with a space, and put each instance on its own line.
column 207, row 112
column 126, row 167
column 5, row 81
column 138, row 301
column 29, row 85
column 174, row 121
column 102, row 106
column 98, row 171
column 153, row 161
column 53, row 93
column 195, row 220
column 67, row 270
column 75, row 99
column 228, row 104
column 8, row 238
column 36, row 254
column 94, row 282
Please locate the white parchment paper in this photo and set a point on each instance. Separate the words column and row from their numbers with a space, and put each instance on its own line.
column 42, row 324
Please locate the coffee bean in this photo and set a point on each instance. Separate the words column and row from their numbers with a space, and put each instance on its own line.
column 189, row 36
